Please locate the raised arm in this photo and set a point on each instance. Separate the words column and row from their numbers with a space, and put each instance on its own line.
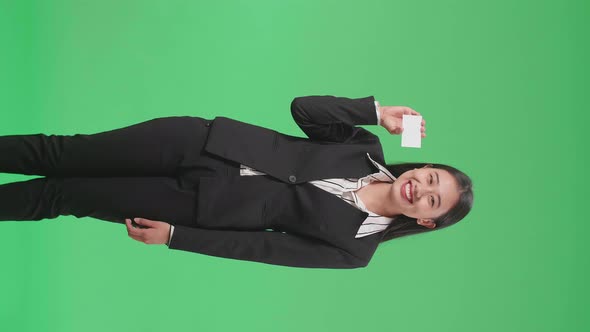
column 329, row 118
column 269, row 247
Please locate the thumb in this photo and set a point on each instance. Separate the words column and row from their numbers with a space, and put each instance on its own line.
column 409, row 111
column 145, row 222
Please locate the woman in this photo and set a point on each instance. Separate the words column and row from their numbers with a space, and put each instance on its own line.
column 231, row 189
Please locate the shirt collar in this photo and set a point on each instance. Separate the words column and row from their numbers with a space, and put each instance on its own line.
column 382, row 168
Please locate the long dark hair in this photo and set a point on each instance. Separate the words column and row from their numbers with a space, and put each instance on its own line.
column 403, row 225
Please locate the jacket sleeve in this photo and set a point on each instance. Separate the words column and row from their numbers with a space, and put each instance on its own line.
column 271, row 247
column 329, row 118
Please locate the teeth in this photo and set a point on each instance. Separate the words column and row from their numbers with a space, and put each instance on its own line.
column 408, row 191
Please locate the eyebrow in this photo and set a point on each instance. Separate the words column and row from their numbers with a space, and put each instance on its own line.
column 438, row 182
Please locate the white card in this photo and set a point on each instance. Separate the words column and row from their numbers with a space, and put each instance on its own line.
column 411, row 136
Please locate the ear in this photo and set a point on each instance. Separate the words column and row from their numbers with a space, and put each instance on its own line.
column 426, row 223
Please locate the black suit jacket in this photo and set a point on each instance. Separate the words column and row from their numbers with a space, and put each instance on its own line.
column 309, row 227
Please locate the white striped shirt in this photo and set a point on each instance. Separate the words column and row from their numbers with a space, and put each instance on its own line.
column 346, row 188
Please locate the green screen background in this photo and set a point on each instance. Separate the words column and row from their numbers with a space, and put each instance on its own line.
column 503, row 88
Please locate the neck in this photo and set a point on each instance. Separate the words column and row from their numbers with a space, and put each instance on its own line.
column 377, row 198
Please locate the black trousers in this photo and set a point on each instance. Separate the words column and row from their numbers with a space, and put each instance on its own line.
column 149, row 170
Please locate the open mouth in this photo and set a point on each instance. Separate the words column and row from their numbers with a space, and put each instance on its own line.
column 406, row 191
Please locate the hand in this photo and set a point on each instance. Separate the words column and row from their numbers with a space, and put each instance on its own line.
column 156, row 233
column 391, row 119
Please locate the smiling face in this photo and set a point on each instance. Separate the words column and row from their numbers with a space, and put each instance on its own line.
column 425, row 194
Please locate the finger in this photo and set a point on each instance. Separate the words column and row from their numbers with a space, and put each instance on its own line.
column 423, row 122
column 423, row 135
column 422, row 129
column 135, row 233
column 135, row 238
column 128, row 225
column 132, row 230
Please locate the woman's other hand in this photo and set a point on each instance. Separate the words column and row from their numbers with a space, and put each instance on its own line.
column 391, row 119
column 156, row 232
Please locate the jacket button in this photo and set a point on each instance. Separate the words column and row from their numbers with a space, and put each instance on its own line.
column 208, row 124
column 292, row 178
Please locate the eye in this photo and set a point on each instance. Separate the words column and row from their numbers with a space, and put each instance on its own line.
column 431, row 179
column 432, row 201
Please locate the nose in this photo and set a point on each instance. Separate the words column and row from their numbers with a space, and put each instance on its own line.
column 423, row 189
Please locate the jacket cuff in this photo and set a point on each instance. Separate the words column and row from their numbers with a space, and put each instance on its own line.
column 377, row 111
